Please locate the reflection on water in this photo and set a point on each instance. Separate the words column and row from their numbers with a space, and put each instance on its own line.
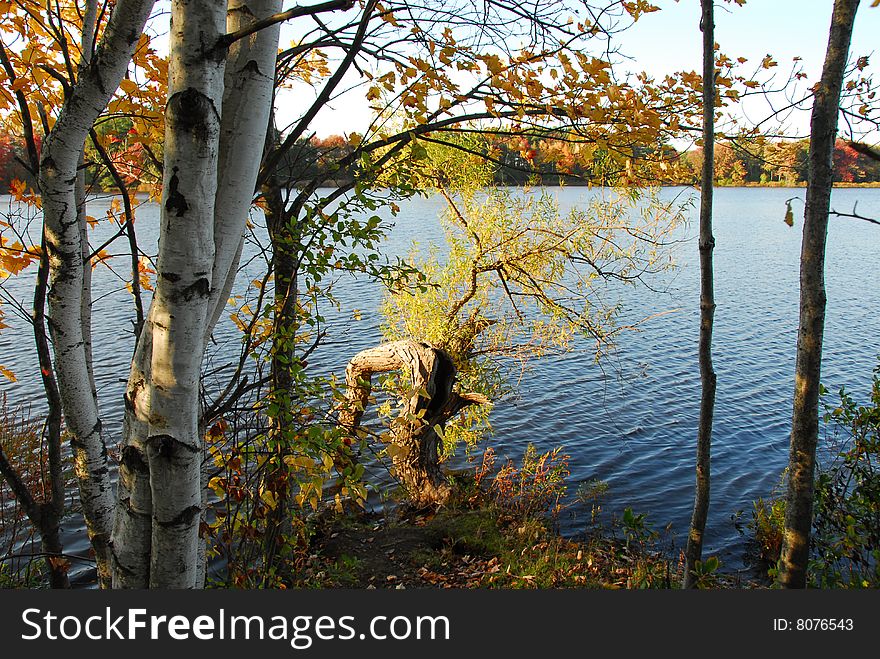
column 630, row 420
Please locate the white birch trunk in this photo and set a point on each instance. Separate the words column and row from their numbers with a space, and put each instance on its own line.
column 60, row 157
column 249, row 75
column 247, row 101
column 132, row 527
column 179, row 310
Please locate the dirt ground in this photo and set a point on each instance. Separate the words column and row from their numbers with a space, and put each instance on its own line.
column 419, row 551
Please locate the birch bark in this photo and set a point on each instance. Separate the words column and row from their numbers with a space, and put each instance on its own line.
column 179, row 310
column 68, row 318
column 212, row 159
column 132, row 525
column 247, row 101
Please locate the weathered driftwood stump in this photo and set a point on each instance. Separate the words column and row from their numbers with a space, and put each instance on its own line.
column 415, row 440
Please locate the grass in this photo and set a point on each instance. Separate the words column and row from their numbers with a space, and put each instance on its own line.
column 477, row 542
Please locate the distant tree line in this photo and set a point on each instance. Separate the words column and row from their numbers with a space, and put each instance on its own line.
column 553, row 159
column 778, row 162
column 518, row 160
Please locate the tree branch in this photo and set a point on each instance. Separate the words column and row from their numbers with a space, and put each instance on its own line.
column 854, row 215
column 295, row 12
column 864, row 149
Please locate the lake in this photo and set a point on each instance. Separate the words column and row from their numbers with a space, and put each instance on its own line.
column 631, row 420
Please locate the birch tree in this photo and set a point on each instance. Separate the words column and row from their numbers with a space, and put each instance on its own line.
column 216, row 116
column 178, row 313
column 45, row 515
column 68, row 297
column 805, row 417
column 220, row 96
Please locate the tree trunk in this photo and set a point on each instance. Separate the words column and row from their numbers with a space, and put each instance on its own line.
column 45, row 518
column 694, row 550
column 132, row 526
column 212, row 160
column 67, row 323
column 414, row 448
column 179, row 310
column 247, row 102
column 805, row 416
column 50, row 536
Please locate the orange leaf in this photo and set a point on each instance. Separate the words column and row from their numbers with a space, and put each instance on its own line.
column 9, row 375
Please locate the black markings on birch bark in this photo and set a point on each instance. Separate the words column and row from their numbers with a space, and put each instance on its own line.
column 176, row 202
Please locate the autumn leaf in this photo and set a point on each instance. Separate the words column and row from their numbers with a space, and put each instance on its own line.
column 14, row 257
column 59, row 563
column 789, row 214
column 128, row 86
column 9, row 375
column 17, row 189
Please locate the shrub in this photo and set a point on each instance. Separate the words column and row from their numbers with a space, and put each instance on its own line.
column 768, row 521
column 535, row 487
column 846, row 526
column 845, row 540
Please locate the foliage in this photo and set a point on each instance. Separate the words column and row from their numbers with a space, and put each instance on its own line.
column 23, row 453
column 846, row 526
column 535, row 487
column 40, row 63
column 756, row 160
column 557, row 158
column 477, row 540
column 767, row 523
column 29, row 577
column 21, row 441
column 521, row 278
column 705, row 573
column 268, row 477
column 521, row 275
column 275, row 461
column 846, row 538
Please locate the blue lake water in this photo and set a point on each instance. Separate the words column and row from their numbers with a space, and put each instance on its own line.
column 630, row 420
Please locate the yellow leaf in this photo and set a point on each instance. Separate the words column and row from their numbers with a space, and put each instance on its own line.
column 393, row 450
column 493, row 63
column 9, row 375
column 128, row 86
column 789, row 214
column 270, row 498
column 216, row 484
column 17, row 188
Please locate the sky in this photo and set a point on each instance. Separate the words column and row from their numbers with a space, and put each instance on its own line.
column 669, row 40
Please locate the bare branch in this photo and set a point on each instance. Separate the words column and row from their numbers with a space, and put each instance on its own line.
column 295, row 12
